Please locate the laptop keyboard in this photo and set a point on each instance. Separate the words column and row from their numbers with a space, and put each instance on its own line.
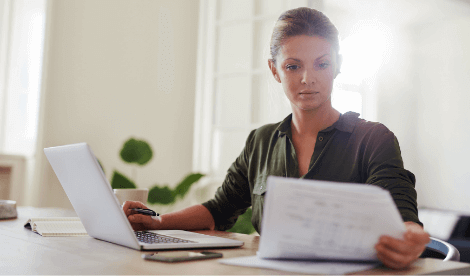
column 149, row 237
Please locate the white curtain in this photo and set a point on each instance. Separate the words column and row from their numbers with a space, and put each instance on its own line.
column 22, row 28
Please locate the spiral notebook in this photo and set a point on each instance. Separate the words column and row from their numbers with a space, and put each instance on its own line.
column 56, row 226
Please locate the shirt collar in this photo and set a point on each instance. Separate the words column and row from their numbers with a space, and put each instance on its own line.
column 284, row 126
column 345, row 123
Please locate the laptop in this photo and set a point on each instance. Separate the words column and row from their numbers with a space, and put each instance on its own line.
column 99, row 210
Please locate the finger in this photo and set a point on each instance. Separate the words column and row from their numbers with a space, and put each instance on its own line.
column 396, row 245
column 126, row 206
column 389, row 263
column 397, row 258
column 130, row 205
column 417, row 244
column 136, row 204
column 416, row 232
column 138, row 218
column 417, row 237
column 403, row 247
column 137, row 226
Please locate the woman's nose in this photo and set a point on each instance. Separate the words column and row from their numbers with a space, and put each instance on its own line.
column 308, row 76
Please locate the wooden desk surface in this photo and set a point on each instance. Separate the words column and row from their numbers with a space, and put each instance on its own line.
column 25, row 252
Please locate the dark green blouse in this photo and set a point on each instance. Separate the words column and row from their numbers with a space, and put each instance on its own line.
column 351, row 150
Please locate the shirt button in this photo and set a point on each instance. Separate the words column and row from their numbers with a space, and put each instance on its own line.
column 320, row 138
column 261, row 187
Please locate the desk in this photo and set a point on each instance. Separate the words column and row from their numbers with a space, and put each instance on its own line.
column 25, row 252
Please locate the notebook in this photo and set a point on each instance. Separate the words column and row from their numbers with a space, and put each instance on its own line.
column 99, row 210
column 56, row 226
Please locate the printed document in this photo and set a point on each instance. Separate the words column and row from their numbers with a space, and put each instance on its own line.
column 311, row 219
column 300, row 266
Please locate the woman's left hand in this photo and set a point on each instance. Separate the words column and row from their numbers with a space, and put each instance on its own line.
column 400, row 253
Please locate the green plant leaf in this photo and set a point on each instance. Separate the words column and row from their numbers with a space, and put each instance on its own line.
column 243, row 224
column 161, row 195
column 136, row 151
column 120, row 181
column 183, row 187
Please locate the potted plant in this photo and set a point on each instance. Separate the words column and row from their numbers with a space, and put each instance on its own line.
column 139, row 153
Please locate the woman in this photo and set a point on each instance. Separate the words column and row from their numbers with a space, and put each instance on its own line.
column 314, row 142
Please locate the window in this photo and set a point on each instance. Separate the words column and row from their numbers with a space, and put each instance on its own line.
column 22, row 25
column 364, row 51
column 236, row 92
column 346, row 100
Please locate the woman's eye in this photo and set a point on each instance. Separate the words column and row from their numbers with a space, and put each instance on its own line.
column 324, row 65
column 292, row 67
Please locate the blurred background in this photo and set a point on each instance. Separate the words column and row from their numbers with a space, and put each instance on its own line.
column 191, row 78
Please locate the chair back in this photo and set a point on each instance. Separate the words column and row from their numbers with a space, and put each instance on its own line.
column 442, row 248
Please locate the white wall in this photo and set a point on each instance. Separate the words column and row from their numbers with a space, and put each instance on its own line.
column 397, row 96
column 443, row 100
column 118, row 69
column 423, row 96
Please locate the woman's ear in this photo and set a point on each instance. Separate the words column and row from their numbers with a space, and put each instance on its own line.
column 272, row 67
column 339, row 61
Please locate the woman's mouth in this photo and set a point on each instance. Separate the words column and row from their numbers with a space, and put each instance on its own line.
column 308, row 92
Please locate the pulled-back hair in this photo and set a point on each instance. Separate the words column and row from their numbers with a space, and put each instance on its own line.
column 302, row 21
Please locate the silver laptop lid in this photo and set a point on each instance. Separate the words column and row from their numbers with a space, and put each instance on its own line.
column 91, row 194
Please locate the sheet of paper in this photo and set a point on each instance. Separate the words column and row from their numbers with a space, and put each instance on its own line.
column 308, row 267
column 306, row 219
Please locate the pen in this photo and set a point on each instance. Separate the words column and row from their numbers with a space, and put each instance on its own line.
column 147, row 212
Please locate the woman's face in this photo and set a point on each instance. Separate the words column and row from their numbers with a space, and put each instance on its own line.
column 306, row 67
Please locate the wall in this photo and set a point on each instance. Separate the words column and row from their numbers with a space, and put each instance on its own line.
column 423, row 97
column 118, row 69
column 443, row 132
column 397, row 96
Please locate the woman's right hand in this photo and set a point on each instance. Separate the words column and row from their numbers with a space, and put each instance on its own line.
column 138, row 221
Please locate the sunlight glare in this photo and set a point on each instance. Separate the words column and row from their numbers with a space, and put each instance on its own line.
column 364, row 51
